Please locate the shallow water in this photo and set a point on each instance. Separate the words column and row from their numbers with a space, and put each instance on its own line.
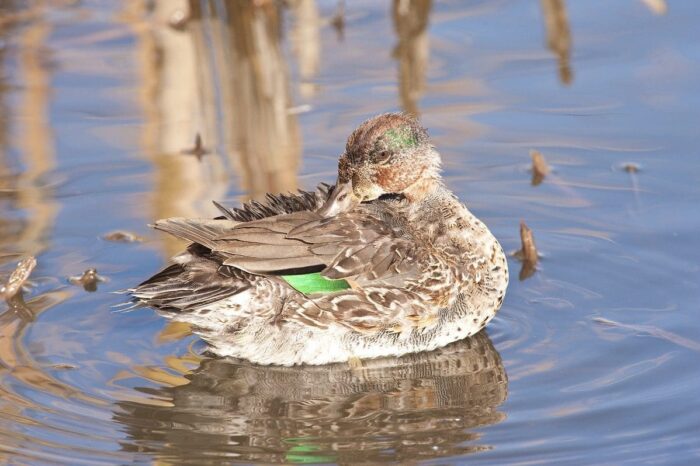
column 593, row 359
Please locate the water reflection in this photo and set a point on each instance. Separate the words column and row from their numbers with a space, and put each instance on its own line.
column 27, row 210
column 412, row 51
column 262, row 137
column 178, row 104
column 306, row 41
column 214, row 80
column 659, row 7
column 199, row 94
column 416, row 407
column 338, row 20
column 558, row 36
column 21, row 375
column 30, row 211
column 16, row 360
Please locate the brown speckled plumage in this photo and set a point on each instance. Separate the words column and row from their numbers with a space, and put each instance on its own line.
column 424, row 271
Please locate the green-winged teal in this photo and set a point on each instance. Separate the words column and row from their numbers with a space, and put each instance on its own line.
column 384, row 263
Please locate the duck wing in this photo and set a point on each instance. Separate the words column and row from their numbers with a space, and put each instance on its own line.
column 197, row 276
column 355, row 245
column 364, row 248
column 259, row 247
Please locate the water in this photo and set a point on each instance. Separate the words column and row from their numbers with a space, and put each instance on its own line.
column 593, row 359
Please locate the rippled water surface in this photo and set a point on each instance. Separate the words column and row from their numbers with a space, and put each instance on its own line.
column 114, row 114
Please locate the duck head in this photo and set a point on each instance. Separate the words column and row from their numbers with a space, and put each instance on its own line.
column 388, row 154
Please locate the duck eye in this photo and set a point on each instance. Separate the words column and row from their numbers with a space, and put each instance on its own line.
column 383, row 157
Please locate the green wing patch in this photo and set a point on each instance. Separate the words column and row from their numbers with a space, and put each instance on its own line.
column 309, row 283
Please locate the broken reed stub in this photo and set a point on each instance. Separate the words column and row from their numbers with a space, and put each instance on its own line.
column 540, row 169
column 528, row 250
column 630, row 167
column 18, row 277
column 527, row 253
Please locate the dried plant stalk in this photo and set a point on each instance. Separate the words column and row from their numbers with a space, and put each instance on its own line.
column 527, row 253
column 529, row 250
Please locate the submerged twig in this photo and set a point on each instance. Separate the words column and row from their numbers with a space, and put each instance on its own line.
column 630, row 167
column 88, row 280
column 633, row 169
column 18, row 277
column 122, row 236
column 540, row 169
column 198, row 150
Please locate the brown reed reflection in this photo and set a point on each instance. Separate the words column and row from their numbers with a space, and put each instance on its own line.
column 178, row 104
column 6, row 30
column 558, row 36
column 263, row 138
column 659, row 7
column 412, row 51
column 27, row 206
column 19, row 368
column 306, row 42
column 213, row 77
column 16, row 361
column 412, row 408
column 338, row 20
column 27, row 191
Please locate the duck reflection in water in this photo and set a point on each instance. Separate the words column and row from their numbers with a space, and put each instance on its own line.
column 419, row 406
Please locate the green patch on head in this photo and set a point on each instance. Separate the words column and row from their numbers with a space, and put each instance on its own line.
column 309, row 283
column 400, row 138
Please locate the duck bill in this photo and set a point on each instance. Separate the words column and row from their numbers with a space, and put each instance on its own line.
column 341, row 200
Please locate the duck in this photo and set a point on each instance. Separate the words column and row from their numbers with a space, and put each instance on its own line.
column 385, row 262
